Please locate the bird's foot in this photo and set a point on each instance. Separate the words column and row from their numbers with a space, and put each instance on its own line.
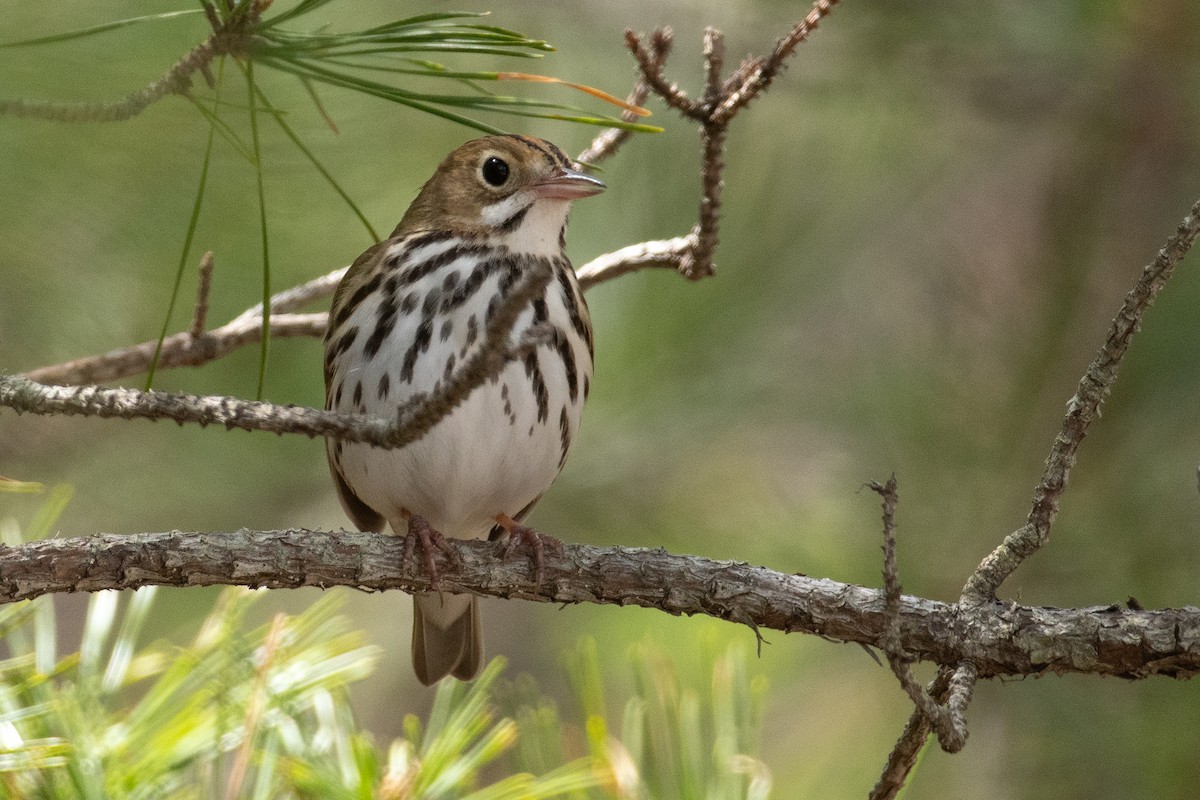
column 519, row 534
column 421, row 535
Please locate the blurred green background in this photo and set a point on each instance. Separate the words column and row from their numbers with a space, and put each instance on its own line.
column 928, row 225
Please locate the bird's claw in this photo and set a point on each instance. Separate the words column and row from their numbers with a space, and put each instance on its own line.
column 423, row 535
column 536, row 542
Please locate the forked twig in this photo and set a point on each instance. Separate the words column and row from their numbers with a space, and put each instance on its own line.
column 1082, row 409
column 716, row 108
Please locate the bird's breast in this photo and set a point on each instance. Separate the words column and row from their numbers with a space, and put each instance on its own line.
column 504, row 444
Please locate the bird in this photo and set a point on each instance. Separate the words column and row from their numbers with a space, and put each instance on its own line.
column 414, row 307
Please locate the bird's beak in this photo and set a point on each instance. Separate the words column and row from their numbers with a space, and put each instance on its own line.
column 567, row 184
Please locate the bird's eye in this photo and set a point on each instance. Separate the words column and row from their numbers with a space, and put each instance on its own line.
column 495, row 171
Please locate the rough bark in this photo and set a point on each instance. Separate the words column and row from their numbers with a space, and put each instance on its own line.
column 998, row 638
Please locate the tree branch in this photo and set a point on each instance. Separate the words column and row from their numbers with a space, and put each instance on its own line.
column 754, row 76
column 203, row 287
column 663, row 254
column 413, row 419
column 908, row 747
column 176, row 80
column 1001, row 639
column 719, row 104
column 1082, row 409
column 608, row 141
column 230, row 36
column 954, row 686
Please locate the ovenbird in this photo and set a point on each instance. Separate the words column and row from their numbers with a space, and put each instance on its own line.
column 413, row 307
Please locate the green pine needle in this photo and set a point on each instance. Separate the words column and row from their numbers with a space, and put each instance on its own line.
column 103, row 27
column 264, row 347
column 325, row 173
column 190, row 234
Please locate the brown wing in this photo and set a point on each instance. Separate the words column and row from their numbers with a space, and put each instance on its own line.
column 362, row 515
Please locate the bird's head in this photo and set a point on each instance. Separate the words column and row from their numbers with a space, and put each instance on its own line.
column 517, row 188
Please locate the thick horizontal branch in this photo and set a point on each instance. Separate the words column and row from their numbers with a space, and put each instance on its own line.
column 997, row 638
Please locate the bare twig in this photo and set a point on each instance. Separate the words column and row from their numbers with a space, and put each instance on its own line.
column 412, row 421
column 200, row 315
column 229, row 37
column 948, row 721
column 1082, row 408
column 665, row 254
column 755, row 76
column 176, row 80
column 651, row 68
column 716, row 108
column 954, row 686
column 297, row 296
column 714, row 62
column 178, row 350
column 698, row 261
column 609, row 140
column 908, row 747
column 951, row 687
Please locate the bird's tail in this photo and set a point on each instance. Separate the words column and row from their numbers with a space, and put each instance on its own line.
column 447, row 639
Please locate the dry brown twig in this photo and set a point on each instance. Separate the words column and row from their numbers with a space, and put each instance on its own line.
column 203, row 287
column 948, row 720
column 412, row 420
column 716, row 108
column 607, row 143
